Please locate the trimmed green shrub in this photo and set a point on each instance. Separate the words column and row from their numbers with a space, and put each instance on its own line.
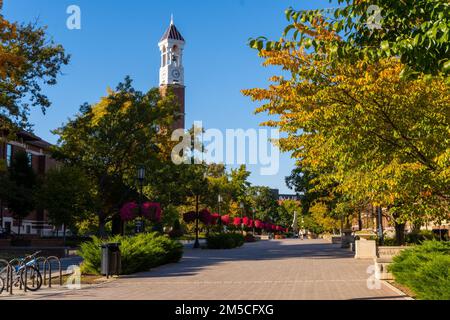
column 139, row 253
column 225, row 241
column 420, row 236
column 425, row 269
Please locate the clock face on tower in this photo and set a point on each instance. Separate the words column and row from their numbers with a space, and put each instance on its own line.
column 176, row 74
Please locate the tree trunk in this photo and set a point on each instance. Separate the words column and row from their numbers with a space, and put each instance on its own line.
column 102, row 227
column 64, row 234
column 400, row 233
column 360, row 223
column 416, row 227
column 117, row 225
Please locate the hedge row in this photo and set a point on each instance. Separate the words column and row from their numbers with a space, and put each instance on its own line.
column 225, row 241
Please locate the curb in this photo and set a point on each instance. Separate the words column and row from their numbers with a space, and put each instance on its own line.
column 397, row 290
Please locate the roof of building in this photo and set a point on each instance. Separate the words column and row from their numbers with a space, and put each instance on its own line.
column 33, row 140
column 172, row 33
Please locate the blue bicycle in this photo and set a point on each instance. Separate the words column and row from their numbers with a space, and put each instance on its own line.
column 25, row 273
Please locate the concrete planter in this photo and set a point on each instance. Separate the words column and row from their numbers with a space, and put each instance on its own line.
column 385, row 256
column 365, row 249
column 389, row 252
column 336, row 239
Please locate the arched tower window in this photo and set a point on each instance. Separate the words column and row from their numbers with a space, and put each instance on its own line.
column 164, row 57
column 175, row 56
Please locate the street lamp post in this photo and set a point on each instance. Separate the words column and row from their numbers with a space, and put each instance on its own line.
column 253, row 221
column 380, row 225
column 219, row 199
column 141, row 178
column 1, row 216
column 197, row 242
column 242, row 216
column 197, row 213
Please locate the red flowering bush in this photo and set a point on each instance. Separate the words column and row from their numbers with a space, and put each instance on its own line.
column 259, row 224
column 129, row 211
column 205, row 216
column 246, row 221
column 215, row 217
column 190, row 216
column 237, row 221
column 152, row 211
column 225, row 220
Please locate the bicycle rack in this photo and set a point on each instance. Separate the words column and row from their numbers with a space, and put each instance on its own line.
column 47, row 262
column 9, row 276
column 12, row 265
column 39, row 261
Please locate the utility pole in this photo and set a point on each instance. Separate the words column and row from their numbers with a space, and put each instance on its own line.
column 380, row 225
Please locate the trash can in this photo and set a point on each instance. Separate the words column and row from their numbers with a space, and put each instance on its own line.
column 111, row 259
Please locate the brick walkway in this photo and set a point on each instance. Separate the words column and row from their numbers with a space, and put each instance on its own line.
column 288, row 269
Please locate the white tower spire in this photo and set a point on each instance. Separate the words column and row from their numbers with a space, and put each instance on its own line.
column 171, row 46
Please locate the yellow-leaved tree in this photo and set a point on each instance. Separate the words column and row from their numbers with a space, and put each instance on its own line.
column 366, row 134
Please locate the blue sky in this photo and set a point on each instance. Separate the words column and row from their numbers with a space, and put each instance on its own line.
column 119, row 38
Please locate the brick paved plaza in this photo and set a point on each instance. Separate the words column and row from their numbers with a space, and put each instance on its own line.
column 287, row 269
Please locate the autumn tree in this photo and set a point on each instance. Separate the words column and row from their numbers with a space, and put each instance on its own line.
column 28, row 60
column 367, row 134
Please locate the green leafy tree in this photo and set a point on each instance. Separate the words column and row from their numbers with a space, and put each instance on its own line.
column 111, row 139
column 287, row 210
column 416, row 31
column 264, row 202
column 22, row 181
column 66, row 195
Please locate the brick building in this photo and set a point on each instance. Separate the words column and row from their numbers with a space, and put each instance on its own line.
column 38, row 152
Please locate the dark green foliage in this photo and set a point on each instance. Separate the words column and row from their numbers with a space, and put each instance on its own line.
column 21, row 183
column 177, row 230
column 139, row 253
column 425, row 269
column 225, row 241
column 66, row 195
column 419, row 237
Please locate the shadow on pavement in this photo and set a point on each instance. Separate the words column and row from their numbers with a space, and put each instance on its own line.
column 194, row 261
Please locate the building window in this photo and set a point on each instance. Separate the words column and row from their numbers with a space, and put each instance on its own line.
column 8, row 154
column 30, row 159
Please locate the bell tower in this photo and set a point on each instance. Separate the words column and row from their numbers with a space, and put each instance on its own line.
column 171, row 73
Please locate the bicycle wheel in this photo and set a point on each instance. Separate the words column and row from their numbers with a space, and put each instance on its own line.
column 31, row 278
